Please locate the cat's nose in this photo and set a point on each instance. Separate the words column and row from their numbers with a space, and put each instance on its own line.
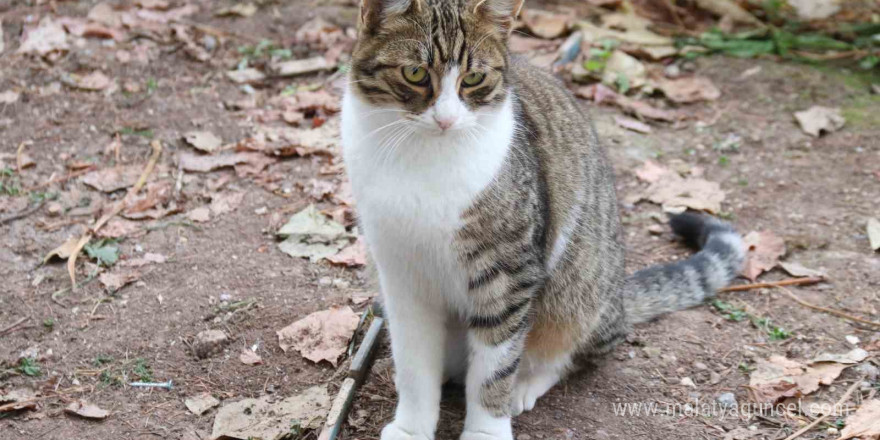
column 445, row 122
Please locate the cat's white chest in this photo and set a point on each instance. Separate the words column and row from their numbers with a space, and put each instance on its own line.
column 410, row 192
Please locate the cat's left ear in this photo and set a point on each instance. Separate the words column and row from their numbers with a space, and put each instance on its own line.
column 501, row 12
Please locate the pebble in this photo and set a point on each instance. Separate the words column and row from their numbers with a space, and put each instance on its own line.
column 651, row 352
column 209, row 342
column 832, row 430
column 325, row 281
column 686, row 381
column 700, row 366
column 727, row 400
column 341, row 284
column 868, row 370
column 209, row 42
column 714, row 378
column 852, row 339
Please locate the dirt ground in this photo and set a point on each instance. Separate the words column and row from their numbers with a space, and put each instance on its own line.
column 816, row 193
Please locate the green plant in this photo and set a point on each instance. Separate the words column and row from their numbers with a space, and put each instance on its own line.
column 152, row 86
column 104, row 252
column 29, row 367
column 730, row 312
column 102, row 360
column 49, row 323
column 143, row 371
column 745, row 368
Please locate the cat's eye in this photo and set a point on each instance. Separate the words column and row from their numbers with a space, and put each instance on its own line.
column 415, row 74
column 473, row 79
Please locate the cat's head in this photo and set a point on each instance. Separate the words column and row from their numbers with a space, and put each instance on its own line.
column 442, row 63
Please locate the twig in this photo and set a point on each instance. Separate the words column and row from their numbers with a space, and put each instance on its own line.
column 84, row 240
column 13, row 326
column 788, row 282
column 19, row 163
column 57, row 293
column 69, row 176
column 20, row 215
column 825, row 416
column 838, row 313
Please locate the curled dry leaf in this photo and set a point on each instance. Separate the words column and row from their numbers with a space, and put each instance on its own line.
column 865, row 423
column 200, row 403
column 113, row 281
column 352, row 256
column 203, row 140
column 676, row 193
column 778, row 377
column 320, row 336
column 545, row 24
column 64, row 251
column 797, row 270
column 601, row 93
column 248, row 357
column 86, row 410
column 239, row 9
column 689, row 89
column 310, row 234
column 817, row 119
column 113, row 179
column 763, row 252
column 204, row 164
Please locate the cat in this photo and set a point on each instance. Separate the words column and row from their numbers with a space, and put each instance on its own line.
column 489, row 209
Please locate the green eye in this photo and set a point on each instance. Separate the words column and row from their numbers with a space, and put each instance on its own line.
column 415, row 74
column 473, row 79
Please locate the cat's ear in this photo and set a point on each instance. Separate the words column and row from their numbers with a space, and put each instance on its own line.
column 500, row 12
column 374, row 12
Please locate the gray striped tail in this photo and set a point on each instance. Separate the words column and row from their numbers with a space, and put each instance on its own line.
column 656, row 290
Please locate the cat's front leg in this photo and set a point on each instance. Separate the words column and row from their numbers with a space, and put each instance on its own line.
column 418, row 337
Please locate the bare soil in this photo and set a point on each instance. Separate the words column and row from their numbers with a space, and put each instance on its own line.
column 815, row 193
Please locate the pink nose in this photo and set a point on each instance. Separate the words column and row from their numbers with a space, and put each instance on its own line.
column 444, row 122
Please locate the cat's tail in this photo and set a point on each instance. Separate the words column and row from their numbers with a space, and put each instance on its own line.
column 660, row 289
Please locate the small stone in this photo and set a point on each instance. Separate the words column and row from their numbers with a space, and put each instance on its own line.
column 631, row 354
column 852, row 339
column 209, row 342
column 54, row 209
column 225, row 297
column 688, row 382
column 832, row 430
column 869, row 371
column 714, row 378
column 656, row 229
column 209, row 42
column 201, row 403
column 727, row 400
column 668, row 358
column 325, row 281
column 700, row 366
column 651, row 352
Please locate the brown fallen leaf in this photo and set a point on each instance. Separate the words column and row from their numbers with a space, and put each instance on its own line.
column 239, row 9
column 113, row 281
column 170, row 15
column 105, row 14
column 778, row 377
column 797, row 270
column 362, row 297
column 118, row 228
column 689, row 89
column 301, row 67
column 242, row 76
column 225, row 202
column 113, row 179
column 352, row 256
column 632, row 124
column 270, row 417
column 203, row 140
column 200, row 403
column 148, row 258
column 248, row 357
column 95, row 81
column 86, row 410
column 161, row 5
column 865, row 423
column 763, row 252
column 48, row 37
column 200, row 215
column 545, row 24
column 63, row 252
column 651, row 172
column 320, row 336
column 204, row 164
column 676, row 193
column 600, row 93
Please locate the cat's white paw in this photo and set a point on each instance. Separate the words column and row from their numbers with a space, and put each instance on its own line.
column 394, row 432
column 479, row 435
column 527, row 391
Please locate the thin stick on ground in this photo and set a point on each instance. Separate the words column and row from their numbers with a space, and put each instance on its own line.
column 836, row 405
column 12, row 327
column 20, row 215
column 84, row 240
column 838, row 313
column 789, row 282
column 64, row 178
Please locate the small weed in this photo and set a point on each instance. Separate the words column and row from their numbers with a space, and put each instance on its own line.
column 29, row 367
column 152, row 86
column 745, row 368
column 104, row 251
column 726, row 215
column 41, row 196
column 49, row 323
column 296, row 429
column 729, row 312
column 143, row 371
column 143, row 132
column 742, row 181
column 723, row 161
column 738, row 314
column 101, row 360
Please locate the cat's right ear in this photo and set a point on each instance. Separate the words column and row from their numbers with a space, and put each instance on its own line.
column 374, row 12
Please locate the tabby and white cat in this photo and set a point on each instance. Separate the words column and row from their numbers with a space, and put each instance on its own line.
column 489, row 208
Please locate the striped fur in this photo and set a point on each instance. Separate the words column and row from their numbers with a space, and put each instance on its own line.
column 496, row 239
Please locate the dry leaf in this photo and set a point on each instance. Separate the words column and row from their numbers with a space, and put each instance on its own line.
column 105, row 14
column 161, row 5
column 148, row 258
column 874, row 233
column 632, row 124
column 248, row 357
column 203, row 140
column 779, row 377
column 225, row 203
column 764, row 250
column 320, row 336
column 852, row 357
column 49, row 36
column 689, row 89
column 239, row 9
column 639, row 37
column 352, row 256
column 362, row 297
column 64, row 251
column 545, row 24
column 729, row 8
column 86, row 410
column 270, row 418
column 601, row 93
column 248, row 75
column 302, row 67
column 814, row 9
column 865, row 423
column 95, row 81
column 201, row 403
column 114, row 281
column 651, row 172
column 200, row 215
column 204, row 164
column 620, row 65
column 676, row 193
column 117, row 228
column 818, row 119
column 797, row 270
column 113, row 179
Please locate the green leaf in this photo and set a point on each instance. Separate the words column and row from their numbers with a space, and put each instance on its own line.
column 622, row 83
column 594, row 65
column 29, row 367
column 105, row 252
